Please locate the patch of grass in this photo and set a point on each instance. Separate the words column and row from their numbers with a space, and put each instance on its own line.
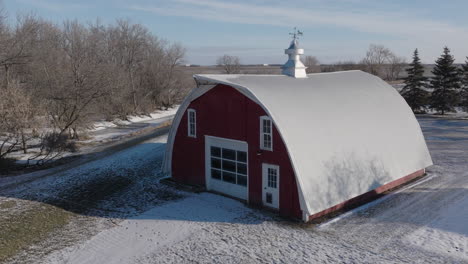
column 19, row 231
column 84, row 197
column 7, row 204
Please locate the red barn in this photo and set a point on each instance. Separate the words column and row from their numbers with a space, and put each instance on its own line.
column 304, row 145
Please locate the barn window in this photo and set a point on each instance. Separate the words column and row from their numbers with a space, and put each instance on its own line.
column 272, row 177
column 266, row 134
column 192, row 123
column 229, row 165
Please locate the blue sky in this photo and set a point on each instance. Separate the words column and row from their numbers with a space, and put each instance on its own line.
column 257, row 30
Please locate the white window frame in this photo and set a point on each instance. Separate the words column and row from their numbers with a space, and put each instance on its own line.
column 262, row 142
column 189, row 112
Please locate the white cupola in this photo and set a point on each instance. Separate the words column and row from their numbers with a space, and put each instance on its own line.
column 294, row 66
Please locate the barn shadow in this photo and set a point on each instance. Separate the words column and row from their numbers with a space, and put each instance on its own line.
column 348, row 176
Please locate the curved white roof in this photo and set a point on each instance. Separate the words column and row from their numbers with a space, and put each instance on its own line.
column 346, row 132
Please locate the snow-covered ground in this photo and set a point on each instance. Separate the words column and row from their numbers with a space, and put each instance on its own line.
column 425, row 223
column 447, row 233
column 105, row 131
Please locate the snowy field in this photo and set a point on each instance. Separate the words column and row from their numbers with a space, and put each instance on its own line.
column 131, row 218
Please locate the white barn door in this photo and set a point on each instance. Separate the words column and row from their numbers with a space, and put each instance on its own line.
column 226, row 164
column 271, row 179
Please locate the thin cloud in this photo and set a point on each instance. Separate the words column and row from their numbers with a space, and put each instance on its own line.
column 358, row 20
column 52, row 5
column 401, row 29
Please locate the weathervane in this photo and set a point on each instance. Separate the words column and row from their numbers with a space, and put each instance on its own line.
column 296, row 33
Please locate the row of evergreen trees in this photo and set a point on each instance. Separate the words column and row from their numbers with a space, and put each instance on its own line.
column 449, row 85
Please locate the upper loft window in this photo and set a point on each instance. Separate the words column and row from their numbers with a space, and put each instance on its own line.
column 192, row 122
column 266, row 133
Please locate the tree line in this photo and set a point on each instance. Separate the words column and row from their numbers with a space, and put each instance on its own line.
column 446, row 89
column 378, row 60
column 56, row 79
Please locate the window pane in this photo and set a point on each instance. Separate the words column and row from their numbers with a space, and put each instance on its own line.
column 242, row 168
column 272, row 177
column 229, row 165
column 242, row 156
column 216, row 163
column 229, row 154
column 266, row 141
column 191, row 117
column 215, row 174
column 269, row 198
column 192, row 129
column 242, row 180
column 215, row 152
column 229, row 177
column 265, row 126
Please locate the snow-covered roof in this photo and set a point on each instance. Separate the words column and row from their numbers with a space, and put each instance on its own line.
column 346, row 132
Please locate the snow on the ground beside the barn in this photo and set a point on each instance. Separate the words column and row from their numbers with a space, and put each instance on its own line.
column 159, row 114
column 152, row 230
column 100, row 125
column 447, row 234
column 151, row 118
column 110, row 131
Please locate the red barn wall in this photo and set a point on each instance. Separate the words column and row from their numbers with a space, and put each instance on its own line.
column 224, row 112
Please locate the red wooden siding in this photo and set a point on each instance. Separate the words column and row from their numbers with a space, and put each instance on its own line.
column 224, row 112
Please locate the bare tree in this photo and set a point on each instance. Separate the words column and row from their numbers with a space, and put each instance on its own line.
column 229, row 64
column 161, row 74
column 382, row 62
column 395, row 66
column 312, row 64
column 376, row 57
column 14, row 45
column 131, row 44
column 16, row 116
column 171, row 85
column 70, row 76
column 77, row 73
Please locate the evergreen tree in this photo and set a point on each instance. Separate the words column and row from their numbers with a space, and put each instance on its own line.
column 414, row 92
column 464, row 91
column 446, row 83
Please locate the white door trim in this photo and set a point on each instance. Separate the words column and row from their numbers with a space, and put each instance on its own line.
column 274, row 192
